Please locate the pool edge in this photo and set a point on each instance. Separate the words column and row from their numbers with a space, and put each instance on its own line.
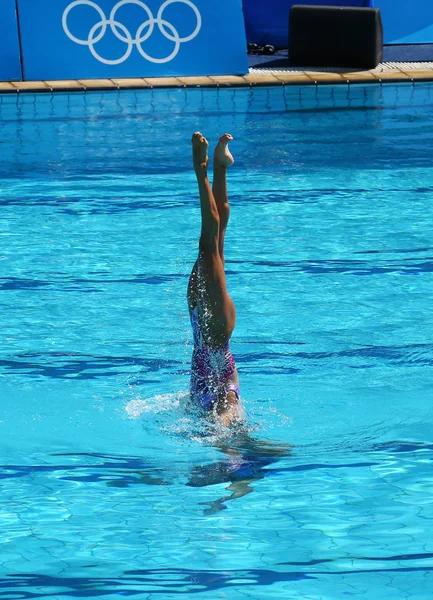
column 283, row 78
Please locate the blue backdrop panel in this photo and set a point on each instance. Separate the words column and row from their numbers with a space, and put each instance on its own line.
column 10, row 64
column 268, row 22
column 406, row 21
column 75, row 39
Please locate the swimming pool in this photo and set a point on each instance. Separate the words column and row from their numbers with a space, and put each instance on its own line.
column 109, row 486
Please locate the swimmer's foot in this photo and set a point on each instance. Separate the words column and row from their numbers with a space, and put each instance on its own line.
column 199, row 151
column 223, row 156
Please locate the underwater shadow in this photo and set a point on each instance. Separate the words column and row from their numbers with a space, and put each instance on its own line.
column 245, row 461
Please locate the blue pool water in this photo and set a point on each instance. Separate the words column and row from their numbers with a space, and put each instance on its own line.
column 109, row 486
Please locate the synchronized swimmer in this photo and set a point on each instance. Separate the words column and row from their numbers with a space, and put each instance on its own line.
column 214, row 377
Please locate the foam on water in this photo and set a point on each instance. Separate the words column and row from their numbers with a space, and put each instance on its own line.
column 155, row 405
column 173, row 415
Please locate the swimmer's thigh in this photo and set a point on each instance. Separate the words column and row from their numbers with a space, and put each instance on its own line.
column 217, row 313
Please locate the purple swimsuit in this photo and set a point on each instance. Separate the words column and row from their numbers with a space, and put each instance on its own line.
column 213, row 370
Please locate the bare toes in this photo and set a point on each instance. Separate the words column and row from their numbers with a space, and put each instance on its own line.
column 199, row 149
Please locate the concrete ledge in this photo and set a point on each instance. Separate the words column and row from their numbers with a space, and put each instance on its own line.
column 288, row 78
column 197, row 81
column 229, row 80
column 30, row 86
column 361, row 76
column 6, row 86
column 319, row 77
column 97, row 84
column 255, row 78
column 163, row 82
column 65, row 85
column 260, row 79
column 419, row 75
column 133, row 84
column 390, row 75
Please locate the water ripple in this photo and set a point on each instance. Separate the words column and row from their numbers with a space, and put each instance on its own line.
column 61, row 365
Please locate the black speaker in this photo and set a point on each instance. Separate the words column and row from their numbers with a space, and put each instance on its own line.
column 335, row 36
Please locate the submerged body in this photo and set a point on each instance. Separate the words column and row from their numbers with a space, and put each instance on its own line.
column 214, row 377
column 213, row 370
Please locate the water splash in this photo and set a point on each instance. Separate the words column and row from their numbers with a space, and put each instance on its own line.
column 138, row 407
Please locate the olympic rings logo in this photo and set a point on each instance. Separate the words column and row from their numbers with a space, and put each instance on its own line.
column 98, row 30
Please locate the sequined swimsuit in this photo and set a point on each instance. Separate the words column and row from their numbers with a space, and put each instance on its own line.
column 213, row 370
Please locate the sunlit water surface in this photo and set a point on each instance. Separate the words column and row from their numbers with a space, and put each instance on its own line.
column 109, row 486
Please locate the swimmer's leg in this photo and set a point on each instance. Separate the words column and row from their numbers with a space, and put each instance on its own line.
column 192, row 293
column 222, row 160
column 216, row 313
column 238, row 489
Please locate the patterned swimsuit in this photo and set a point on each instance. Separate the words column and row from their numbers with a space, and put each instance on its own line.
column 213, row 370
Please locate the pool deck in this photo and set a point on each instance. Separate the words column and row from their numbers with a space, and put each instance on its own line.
column 384, row 73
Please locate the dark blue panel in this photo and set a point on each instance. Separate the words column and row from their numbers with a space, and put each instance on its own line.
column 75, row 39
column 267, row 22
column 10, row 65
column 406, row 21
column 408, row 53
